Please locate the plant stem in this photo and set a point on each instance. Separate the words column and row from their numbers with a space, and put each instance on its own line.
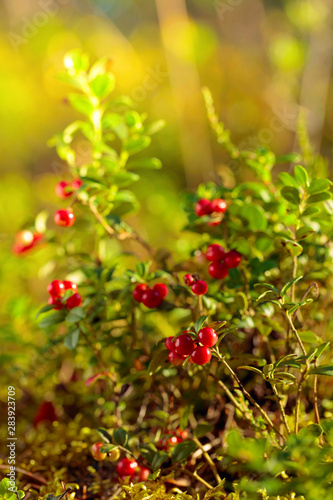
column 299, row 340
column 248, row 396
column 294, row 276
column 208, row 460
column 283, row 413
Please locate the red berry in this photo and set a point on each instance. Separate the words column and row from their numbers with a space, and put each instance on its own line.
column 74, row 300
column 143, row 474
column 96, row 453
column 151, row 299
column 201, row 355
column 138, row 292
column 218, row 205
column 215, row 252
column 173, row 440
column 161, row 289
column 188, row 279
column 214, row 223
column 203, row 207
column 126, row 467
column 175, row 358
column 199, row 288
column 25, row 240
column 69, row 285
column 64, row 217
column 207, row 337
column 233, row 259
column 184, row 344
column 63, row 189
column 218, row 270
column 169, row 344
column 56, row 288
column 76, row 184
column 56, row 302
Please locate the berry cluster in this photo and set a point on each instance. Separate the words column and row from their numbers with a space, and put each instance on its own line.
column 125, row 467
column 65, row 217
column 25, row 240
column 221, row 261
column 65, row 189
column 215, row 207
column 150, row 297
column 172, row 439
column 196, row 349
column 57, row 291
column 198, row 287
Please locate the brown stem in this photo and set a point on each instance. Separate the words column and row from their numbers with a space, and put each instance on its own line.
column 208, row 460
column 283, row 414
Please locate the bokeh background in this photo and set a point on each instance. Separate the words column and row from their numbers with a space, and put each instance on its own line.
column 263, row 61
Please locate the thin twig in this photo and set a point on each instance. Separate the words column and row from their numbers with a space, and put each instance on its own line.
column 208, row 460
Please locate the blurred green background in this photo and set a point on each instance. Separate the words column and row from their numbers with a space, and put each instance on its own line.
column 263, row 61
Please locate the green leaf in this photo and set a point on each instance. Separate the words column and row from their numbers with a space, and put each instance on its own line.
column 294, row 248
column 301, row 176
column 104, row 435
column 202, row 429
column 308, row 336
column 120, row 436
column 199, row 323
column 183, row 423
column 314, row 430
column 155, row 127
column 322, row 370
column 255, row 215
column 319, row 185
column 76, row 60
column 147, row 163
column 288, row 285
column 53, row 319
column 291, row 194
column 81, row 103
column 148, row 451
column 251, row 369
column 137, row 144
column 72, row 339
column 318, row 198
column 288, row 180
column 125, row 196
column 103, row 85
column 124, row 179
column 106, row 448
column 159, row 458
column 183, row 450
column 158, row 361
column 44, row 309
column 304, row 232
column 75, row 315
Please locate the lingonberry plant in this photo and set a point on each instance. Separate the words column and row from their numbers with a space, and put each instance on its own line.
column 235, row 402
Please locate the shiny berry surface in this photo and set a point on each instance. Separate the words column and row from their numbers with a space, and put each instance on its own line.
column 161, row 289
column 184, row 344
column 63, row 189
column 207, row 337
column 151, row 299
column 199, row 288
column 143, row 474
column 169, row 344
column 201, row 355
column 203, row 207
column 74, row 300
column 64, row 217
column 188, row 279
column 69, row 285
column 55, row 302
column 76, row 184
column 96, row 452
column 218, row 270
column 219, row 205
column 126, row 467
column 215, row 252
column 56, row 288
column 138, row 292
column 233, row 259
column 175, row 358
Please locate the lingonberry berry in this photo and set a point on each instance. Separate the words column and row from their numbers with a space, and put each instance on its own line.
column 169, row 344
column 56, row 303
column 74, row 300
column 151, row 299
column 175, row 358
column 203, row 207
column 184, row 344
column 25, row 240
column 76, row 184
column 218, row 270
column 126, row 467
column 64, row 217
column 200, row 287
column 201, row 355
column 56, row 288
column 138, row 292
column 207, row 336
column 218, row 205
column 233, row 259
column 215, row 252
column 114, row 455
column 188, row 279
column 63, row 189
column 214, row 223
column 161, row 289
column 143, row 474
column 96, row 452
column 69, row 285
